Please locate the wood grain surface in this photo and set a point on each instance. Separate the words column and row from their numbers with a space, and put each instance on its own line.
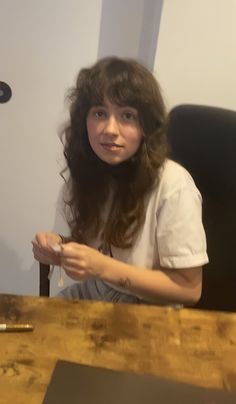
column 197, row 347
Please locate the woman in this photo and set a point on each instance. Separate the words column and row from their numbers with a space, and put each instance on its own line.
column 135, row 215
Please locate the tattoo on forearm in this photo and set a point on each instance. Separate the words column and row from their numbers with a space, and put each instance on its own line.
column 124, row 283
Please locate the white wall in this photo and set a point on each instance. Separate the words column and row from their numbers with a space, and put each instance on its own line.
column 43, row 44
column 196, row 54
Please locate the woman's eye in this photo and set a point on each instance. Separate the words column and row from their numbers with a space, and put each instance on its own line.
column 129, row 116
column 99, row 114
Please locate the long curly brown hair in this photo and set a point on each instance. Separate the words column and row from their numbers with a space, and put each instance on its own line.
column 123, row 82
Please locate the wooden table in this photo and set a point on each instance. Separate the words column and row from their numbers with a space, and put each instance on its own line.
column 186, row 345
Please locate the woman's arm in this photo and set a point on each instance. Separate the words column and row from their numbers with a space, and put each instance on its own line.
column 159, row 286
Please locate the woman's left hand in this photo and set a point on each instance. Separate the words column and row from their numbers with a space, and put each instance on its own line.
column 81, row 262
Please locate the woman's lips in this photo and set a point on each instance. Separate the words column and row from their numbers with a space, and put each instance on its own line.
column 111, row 146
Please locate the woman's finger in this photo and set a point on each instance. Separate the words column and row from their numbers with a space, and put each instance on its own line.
column 73, row 263
column 42, row 254
column 72, row 250
column 41, row 259
column 35, row 243
column 76, row 275
column 40, row 239
column 45, row 257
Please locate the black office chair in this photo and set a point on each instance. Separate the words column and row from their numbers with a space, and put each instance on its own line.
column 203, row 140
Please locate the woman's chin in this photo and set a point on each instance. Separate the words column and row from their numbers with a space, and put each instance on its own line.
column 113, row 161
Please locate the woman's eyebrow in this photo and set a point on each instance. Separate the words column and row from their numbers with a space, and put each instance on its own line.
column 129, row 107
column 98, row 105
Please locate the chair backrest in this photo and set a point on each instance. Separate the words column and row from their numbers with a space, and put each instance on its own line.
column 44, row 283
column 203, row 140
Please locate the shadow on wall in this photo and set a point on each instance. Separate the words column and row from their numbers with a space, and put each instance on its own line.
column 14, row 280
column 18, row 275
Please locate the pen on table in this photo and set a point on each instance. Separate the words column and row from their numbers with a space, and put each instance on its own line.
column 16, row 327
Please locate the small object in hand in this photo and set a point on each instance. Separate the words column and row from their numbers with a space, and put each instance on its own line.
column 56, row 248
column 61, row 280
column 51, row 272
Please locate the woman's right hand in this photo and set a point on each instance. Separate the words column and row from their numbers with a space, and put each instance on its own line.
column 43, row 248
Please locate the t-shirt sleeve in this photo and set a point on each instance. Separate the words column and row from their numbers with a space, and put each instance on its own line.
column 180, row 234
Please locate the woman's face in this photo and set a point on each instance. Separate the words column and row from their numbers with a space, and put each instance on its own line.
column 114, row 132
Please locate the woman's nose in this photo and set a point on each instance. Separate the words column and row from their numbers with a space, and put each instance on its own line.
column 112, row 125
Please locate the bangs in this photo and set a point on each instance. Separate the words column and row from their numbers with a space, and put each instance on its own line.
column 119, row 86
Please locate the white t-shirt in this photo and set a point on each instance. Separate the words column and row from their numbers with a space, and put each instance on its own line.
column 172, row 235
